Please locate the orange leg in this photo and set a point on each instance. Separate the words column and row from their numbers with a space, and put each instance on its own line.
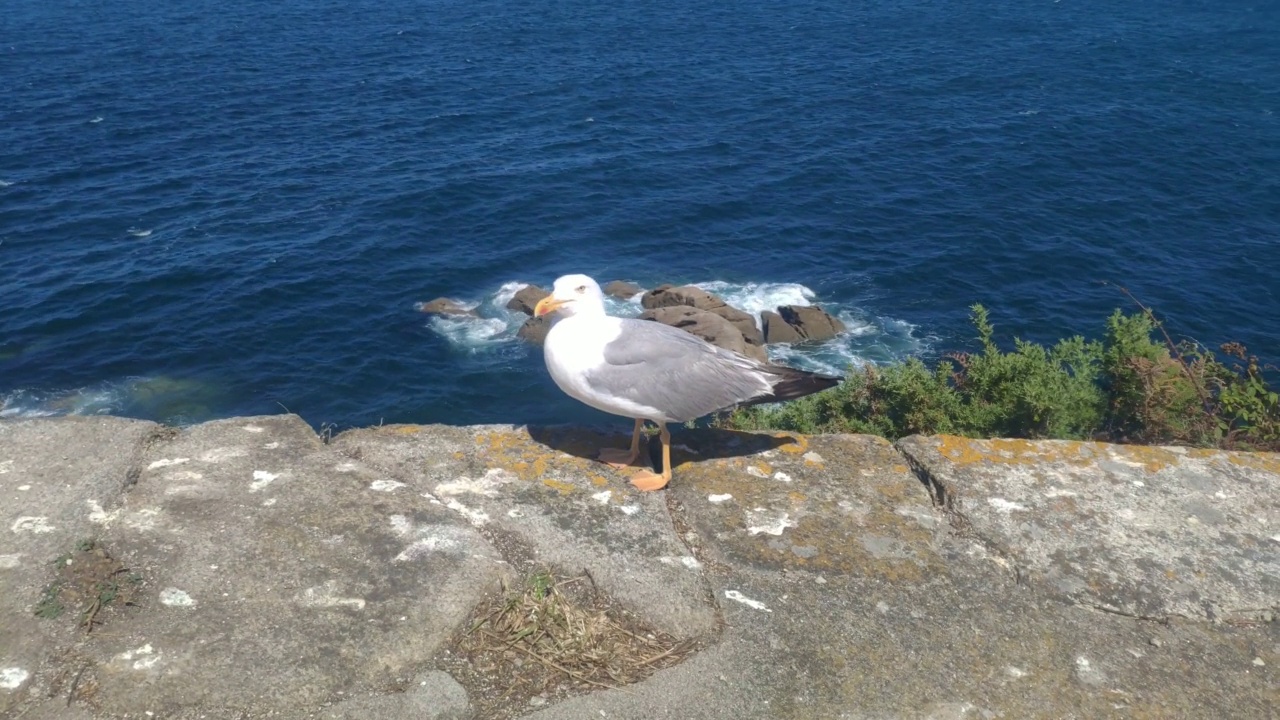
column 647, row 480
column 622, row 458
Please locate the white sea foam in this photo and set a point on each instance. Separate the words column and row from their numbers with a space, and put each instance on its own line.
column 867, row 339
column 139, row 232
column 97, row 119
column 5, row 183
column 470, row 332
column 754, row 298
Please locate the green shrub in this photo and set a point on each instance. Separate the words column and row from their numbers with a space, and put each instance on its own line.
column 1126, row 388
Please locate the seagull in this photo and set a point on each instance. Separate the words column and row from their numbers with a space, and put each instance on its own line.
column 645, row 370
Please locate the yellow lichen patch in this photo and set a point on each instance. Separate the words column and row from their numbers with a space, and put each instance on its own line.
column 796, row 497
column 764, row 467
column 523, row 457
column 559, row 486
column 459, row 456
column 1266, row 462
column 900, row 468
column 799, row 444
column 599, row 480
column 1012, row 451
column 407, row 429
column 1152, row 459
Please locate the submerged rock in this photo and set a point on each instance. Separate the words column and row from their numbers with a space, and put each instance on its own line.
column 444, row 306
column 810, row 322
column 526, row 298
column 534, row 330
column 622, row 290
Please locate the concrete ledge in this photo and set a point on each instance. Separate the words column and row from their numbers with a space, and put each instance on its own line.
column 823, row 577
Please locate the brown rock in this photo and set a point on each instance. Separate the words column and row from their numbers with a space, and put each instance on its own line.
column 812, row 322
column 688, row 295
column 526, row 298
column 534, row 330
column 622, row 290
column 707, row 325
column 444, row 306
column 776, row 330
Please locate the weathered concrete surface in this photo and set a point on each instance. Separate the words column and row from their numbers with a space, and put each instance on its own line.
column 278, row 576
column 1143, row 531
column 819, row 573
column 54, row 476
column 557, row 506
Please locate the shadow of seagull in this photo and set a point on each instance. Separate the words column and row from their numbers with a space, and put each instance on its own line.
column 687, row 445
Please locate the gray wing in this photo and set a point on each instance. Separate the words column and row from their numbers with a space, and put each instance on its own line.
column 670, row 370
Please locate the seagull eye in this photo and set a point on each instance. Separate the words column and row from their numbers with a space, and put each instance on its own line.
column 580, row 289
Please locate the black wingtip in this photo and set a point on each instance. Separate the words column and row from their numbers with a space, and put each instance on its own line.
column 794, row 384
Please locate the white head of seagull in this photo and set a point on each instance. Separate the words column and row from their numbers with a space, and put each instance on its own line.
column 572, row 295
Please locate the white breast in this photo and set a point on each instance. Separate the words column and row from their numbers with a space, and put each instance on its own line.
column 573, row 347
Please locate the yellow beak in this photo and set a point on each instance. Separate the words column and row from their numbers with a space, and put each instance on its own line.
column 548, row 304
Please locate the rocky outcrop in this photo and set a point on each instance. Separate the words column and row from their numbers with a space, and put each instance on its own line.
column 707, row 325
column 622, row 290
column 695, row 297
column 800, row 323
column 534, row 330
column 776, row 330
column 526, row 298
column 445, row 306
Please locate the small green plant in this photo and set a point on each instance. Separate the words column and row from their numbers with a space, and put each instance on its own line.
column 49, row 605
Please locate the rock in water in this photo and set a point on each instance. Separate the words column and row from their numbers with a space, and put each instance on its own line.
column 811, row 322
column 707, row 325
column 688, row 295
column 526, row 298
column 534, row 330
column 444, row 306
column 622, row 290
column 776, row 330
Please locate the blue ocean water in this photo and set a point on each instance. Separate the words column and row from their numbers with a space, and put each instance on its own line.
column 210, row 209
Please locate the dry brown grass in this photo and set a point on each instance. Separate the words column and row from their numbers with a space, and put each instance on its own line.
column 551, row 638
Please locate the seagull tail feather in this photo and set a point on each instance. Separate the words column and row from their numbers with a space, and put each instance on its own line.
column 791, row 384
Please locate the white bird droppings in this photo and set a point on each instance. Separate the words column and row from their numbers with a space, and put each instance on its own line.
column 173, row 597
column 385, row 485
column 719, row 498
column 423, row 546
column 325, row 596
column 261, row 479
column 24, row 488
column 1003, row 505
column 475, row 517
column 32, row 524
column 401, row 525
column 268, row 502
column 688, row 561
column 8, row 562
column 143, row 657
column 11, row 678
column 814, row 457
column 772, row 522
column 603, row 497
column 754, row 471
column 739, row 597
column 1259, row 662
column 217, row 455
column 1014, row 672
column 253, row 428
column 781, row 476
column 271, row 446
column 882, row 607
column 166, row 462
column 6, row 467
column 487, row 485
